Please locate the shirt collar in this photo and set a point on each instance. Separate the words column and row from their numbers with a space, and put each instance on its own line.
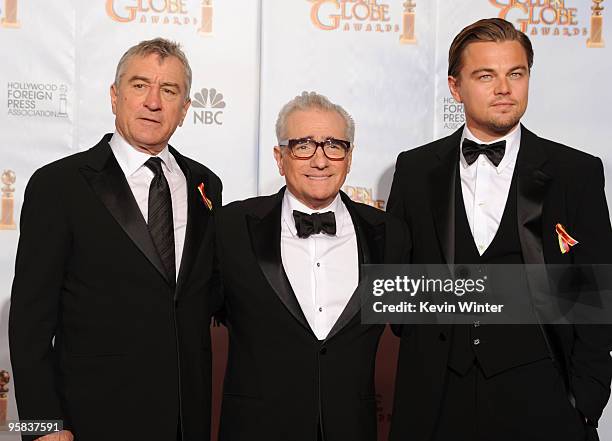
column 513, row 143
column 131, row 160
column 290, row 203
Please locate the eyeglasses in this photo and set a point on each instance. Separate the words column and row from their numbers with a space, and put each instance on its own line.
column 305, row 148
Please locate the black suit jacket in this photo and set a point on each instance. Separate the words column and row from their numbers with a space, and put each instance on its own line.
column 280, row 379
column 556, row 184
column 99, row 337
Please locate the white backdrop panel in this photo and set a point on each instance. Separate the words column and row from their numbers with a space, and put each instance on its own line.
column 225, row 60
column 385, row 85
column 36, row 118
column 569, row 102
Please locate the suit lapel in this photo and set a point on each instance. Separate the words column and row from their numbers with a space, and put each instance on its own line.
column 532, row 185
column 108, row 182
column 265, row 230
column 198, row 216
column 442, row 184
column 370, row 249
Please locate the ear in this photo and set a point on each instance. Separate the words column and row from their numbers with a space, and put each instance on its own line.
column 184, row 110
column 455, row 88
column 113, row 95
column 278, row 155
column 349, row 160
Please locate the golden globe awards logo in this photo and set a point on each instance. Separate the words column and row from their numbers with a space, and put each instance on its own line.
column 5, row 378
column 164, row 13
column 372, row 16
column 8, row 14
column 363, row 195
column 552, row 18
column 7, row 208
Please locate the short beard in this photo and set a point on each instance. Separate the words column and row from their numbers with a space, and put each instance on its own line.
column 503, row 127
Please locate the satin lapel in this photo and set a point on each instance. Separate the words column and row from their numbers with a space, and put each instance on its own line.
column 265, row 234
column 108, row 182
column 370, row 249
column 198, row 216
column 442, row 184
column 532, row 185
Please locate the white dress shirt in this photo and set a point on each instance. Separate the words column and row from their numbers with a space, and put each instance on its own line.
column 139, row 178
column 323, row 269
column 485, row 187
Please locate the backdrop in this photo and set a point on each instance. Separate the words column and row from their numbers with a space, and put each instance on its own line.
column 383, row 60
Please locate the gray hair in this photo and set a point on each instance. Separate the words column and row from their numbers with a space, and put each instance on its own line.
column 312, row 100
column 162, row 48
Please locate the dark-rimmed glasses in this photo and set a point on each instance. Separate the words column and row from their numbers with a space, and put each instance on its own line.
column 305, row 148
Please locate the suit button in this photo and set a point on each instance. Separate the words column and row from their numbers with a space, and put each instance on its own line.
column 442, row 337
column 476, row 341
column 476, row 324
column 323, row 351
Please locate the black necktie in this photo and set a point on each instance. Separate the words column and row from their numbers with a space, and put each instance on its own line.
column 160, row 222
column 495, row 152
column 307, row 224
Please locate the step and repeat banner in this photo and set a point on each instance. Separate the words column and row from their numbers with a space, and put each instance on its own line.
column 383, row 60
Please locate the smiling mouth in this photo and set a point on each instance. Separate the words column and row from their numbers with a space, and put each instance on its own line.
column 318, row 178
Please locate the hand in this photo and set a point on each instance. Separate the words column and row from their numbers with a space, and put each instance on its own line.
column 64, row 435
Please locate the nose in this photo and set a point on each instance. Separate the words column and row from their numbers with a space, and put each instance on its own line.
column 153, row 99
column 319, row 160
column 502, row 86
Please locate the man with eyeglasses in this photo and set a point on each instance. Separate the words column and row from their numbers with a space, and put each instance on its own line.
column 301, row 364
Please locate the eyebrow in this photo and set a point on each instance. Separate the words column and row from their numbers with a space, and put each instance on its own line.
column 147, row 80
column 139, row 78
column 169, row 84
column 489, row 70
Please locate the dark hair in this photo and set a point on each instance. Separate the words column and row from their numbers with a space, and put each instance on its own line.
column 488, row 29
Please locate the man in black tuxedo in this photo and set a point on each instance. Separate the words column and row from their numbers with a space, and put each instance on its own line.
column 492, row 193
column 301, row 365
column 108, row 321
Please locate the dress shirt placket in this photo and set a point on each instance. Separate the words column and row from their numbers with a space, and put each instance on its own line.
column 315, row 281
column 483, row 172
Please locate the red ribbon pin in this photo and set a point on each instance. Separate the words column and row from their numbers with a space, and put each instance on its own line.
column 205, row 199
column 565, row 240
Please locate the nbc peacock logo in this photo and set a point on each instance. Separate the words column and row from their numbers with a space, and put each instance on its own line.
column 207, row 105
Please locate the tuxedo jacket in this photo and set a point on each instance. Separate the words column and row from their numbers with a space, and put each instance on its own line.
column 99, row 337
column 555, row 184
column 281, row 382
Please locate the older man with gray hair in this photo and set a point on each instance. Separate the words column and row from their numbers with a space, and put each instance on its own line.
column 301, row 364
column 108, row 322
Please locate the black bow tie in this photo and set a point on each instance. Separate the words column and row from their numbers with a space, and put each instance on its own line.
column 495, row 152
column 307, row 224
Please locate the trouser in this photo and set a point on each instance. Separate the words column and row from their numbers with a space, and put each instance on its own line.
column 524, row 403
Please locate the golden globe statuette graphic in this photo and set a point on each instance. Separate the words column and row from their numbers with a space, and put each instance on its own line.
column 206, row 27
column 8, row 201
column 596, row 38
column 408, row 21
column 363, row 195
column 4, row 381
column 10, row 14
